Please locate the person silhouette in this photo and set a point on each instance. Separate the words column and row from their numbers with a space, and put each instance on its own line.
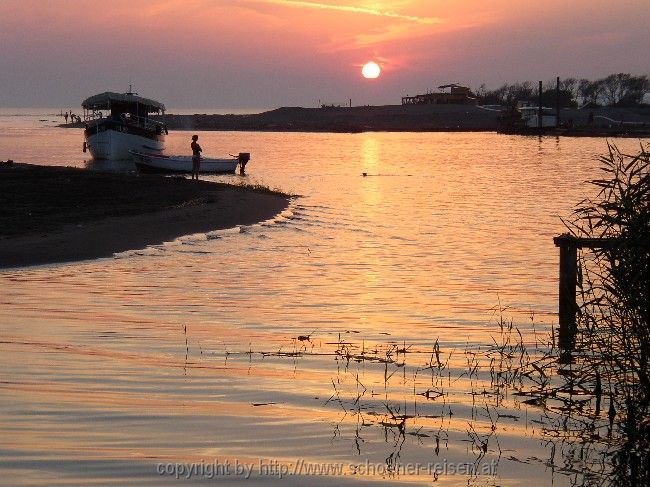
column 196, row 157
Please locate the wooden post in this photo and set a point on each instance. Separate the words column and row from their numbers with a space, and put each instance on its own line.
column 557, row 102
column 568, row 306
column 567, row 289
column 540, row 114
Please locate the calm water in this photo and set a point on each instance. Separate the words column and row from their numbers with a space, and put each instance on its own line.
column 187, row 353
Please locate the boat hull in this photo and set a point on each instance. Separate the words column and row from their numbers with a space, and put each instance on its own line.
column 114, row 141
column 152, row 163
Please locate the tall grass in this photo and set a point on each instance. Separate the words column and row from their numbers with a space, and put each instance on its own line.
column 613, row 343
column 594, row 407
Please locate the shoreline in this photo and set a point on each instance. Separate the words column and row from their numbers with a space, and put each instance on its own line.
column 596, row 122
column 54, row 215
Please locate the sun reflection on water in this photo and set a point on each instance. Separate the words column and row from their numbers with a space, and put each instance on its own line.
column 313, row 336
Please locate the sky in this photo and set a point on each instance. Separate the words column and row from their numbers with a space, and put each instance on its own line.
column 272, row 53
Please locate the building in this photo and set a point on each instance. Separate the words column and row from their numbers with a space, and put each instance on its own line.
column 460, row 95
column 530, row 115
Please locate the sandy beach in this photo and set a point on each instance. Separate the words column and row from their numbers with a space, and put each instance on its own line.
column 61, row 214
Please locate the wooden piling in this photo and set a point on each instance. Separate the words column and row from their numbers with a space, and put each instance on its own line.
column 557, row 102
column 540, row 113
column 567, row 304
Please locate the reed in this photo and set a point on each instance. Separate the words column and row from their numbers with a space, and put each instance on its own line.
column 261, row 188
column 593, row 405
column 612, row 356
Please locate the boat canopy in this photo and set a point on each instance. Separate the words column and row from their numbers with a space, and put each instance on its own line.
column 125, row 102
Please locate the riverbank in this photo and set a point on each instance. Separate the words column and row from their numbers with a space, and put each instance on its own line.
column 60, row 214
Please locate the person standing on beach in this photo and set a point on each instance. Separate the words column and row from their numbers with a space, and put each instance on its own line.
column 196, row 157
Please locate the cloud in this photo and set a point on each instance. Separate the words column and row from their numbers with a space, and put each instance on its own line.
column 351, row 9
column 390, row 33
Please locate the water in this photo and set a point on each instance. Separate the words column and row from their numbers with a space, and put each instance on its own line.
column 116, row 370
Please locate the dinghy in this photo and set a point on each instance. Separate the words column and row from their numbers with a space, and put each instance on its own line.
column 155, row 163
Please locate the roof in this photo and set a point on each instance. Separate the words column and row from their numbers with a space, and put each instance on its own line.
column 103, row 101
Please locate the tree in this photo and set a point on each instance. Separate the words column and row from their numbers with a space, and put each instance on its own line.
column 491, row 97
column 590, row 92
column 613, row 87
column 570, row 86
column 637, row 88
column 567, row 93
column 518, row 92
column 623, row 89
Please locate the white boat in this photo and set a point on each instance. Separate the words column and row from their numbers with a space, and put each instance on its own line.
column 158, row 163
column 117, row 123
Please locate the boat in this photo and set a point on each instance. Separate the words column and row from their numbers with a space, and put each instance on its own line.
column 116, row 123
column 526, row 119
column 159, row 163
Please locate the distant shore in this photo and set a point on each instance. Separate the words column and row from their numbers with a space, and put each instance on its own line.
column 596, row 122
column 60, row 214
column 605, row 121
column 386, row 118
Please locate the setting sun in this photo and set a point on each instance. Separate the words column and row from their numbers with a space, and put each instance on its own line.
column 371, row 70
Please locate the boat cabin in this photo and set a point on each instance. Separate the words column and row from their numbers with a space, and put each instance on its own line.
column 120, row 106
column 110, row 110
column 530, row 115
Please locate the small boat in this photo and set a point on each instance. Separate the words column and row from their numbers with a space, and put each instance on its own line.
column 116, row 123
column 156, row 163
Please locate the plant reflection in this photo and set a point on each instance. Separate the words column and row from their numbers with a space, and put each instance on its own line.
column 588, row 407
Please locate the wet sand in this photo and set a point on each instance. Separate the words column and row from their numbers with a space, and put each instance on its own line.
column 61, row 214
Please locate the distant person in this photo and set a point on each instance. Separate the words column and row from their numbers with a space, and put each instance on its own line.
column 196, row 157
column 66, row 117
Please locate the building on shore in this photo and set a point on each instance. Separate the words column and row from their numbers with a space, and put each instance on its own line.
column 530, row 115
column 460, row 95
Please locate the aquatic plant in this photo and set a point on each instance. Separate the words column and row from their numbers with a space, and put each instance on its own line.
column 261, row 188
column 593, row 403
column 612, row 354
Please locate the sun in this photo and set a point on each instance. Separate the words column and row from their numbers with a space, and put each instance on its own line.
column 371, row 70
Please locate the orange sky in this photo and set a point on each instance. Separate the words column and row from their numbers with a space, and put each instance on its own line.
column 269, row 53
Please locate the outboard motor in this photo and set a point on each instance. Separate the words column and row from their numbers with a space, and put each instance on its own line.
column 243, row 158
